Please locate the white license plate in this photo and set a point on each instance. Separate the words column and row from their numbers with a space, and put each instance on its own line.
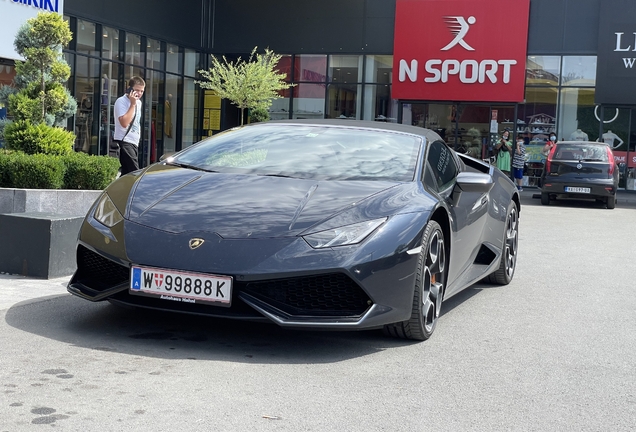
column 181, row 286
column 577, row 189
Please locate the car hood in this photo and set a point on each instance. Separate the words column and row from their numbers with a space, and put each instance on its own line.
column 237, row 206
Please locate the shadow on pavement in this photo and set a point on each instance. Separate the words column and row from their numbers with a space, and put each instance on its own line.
column 141, row 332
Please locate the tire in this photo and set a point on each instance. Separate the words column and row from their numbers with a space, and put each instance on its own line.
column 611, row 202
column 508, row 263
column 545, row 198
column 430, row 282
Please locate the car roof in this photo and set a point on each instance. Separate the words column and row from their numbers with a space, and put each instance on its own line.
column 428, row 134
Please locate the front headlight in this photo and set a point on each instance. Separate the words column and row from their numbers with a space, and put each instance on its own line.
column 106, row 213
column 346, row 235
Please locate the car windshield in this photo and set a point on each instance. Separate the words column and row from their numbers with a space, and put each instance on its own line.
column 307, row 151
column 584, row 152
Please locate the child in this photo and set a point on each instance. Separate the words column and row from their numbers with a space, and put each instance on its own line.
column 518, row 161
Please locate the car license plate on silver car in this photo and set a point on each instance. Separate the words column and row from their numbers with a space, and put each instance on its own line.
column 181, row 286
column 577, row 189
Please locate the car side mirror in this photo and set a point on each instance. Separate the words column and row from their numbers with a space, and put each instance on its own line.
column 474, row 182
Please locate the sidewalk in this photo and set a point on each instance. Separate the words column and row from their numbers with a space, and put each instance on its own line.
column 15, row 289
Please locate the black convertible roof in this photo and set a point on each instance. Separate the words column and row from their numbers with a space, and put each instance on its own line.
column 428, row 134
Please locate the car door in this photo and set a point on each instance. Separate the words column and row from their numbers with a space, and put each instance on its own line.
column 468, row 211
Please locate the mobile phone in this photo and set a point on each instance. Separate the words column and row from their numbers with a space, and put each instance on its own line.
column 129, row 90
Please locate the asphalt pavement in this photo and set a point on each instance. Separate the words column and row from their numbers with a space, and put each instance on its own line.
column 554, row 350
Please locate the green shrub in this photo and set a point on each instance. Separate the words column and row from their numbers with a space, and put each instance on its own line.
column 89, row 172
column 24, row 107
column 5, row 167
column 39, row 138
column 38, row 171
column 258, row 115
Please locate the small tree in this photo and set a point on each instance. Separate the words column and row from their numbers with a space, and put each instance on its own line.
column 38, row 94
column 251, row 84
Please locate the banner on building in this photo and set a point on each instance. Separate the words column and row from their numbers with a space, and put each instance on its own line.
column 460, row 50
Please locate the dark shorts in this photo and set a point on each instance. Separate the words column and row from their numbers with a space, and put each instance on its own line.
column 518, row 173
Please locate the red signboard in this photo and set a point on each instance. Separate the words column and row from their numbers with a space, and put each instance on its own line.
column 460, row 50
column 622, row 157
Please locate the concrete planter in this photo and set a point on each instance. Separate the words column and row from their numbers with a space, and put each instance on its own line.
column 38, row 230
column 55, row 201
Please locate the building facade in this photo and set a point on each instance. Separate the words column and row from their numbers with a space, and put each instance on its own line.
column 578, row 80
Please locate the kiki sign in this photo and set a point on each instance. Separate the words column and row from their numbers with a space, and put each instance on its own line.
column 460, row 50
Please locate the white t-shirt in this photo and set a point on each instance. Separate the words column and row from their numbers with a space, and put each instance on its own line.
column 121, row 107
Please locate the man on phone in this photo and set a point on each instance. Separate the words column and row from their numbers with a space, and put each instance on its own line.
column 127, row 125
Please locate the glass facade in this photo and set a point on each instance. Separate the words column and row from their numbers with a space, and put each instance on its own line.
column 559, row 98
column 336, row 86
column 102, row 59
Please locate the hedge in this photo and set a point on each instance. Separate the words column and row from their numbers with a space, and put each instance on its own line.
column 40, row 171
column 89, row 172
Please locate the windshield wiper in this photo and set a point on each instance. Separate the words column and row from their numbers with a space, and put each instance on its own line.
column 592, row 160
column 275, row 175
column 187, row 166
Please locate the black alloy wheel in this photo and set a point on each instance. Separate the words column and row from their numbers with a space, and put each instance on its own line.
column 430, row 282
column 508, row 262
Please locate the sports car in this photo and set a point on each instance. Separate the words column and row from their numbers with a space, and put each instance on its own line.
column 322, row 224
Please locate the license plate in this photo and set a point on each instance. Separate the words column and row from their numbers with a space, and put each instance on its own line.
column 181, row 286
column 577, row 189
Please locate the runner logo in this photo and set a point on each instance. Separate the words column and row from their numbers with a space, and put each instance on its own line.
column 459, row 27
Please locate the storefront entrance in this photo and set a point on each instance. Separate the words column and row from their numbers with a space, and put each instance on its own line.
column 468, row 128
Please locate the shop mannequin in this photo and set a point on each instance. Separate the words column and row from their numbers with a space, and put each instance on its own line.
column 610, row 137
column 168, row 116
column 578, row 135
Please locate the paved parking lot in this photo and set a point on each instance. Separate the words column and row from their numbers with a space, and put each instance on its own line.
column 554, row 350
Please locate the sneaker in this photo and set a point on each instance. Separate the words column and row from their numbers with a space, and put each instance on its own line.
column 519, row 188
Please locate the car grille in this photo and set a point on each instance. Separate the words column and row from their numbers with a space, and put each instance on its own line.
column 318, row 295
column 97, row 272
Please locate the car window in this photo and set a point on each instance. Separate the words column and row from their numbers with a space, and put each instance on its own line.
column 588, row 152
column 442, row 164
column 429, row 179
column 307, row 151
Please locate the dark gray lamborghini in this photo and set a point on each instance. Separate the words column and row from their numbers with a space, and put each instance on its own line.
column 325, row 224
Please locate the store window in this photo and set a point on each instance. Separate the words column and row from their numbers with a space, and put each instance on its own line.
column 174, row 59
column 379, row 69
column 280, row 108
column 87, row 90
column 134, row 54
column 579, row 71
column 85, row 38
column 173, row 87
column 345, row 69
column 543, row 70
column 192, row 62
column 537, row 116
column 310, row 68
column 577, row 119
column 190, row 133
column 110, row 43
column 344, row 101
column 309, row 101
column 378, row 104
column 110, row 91
column 154, row 54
